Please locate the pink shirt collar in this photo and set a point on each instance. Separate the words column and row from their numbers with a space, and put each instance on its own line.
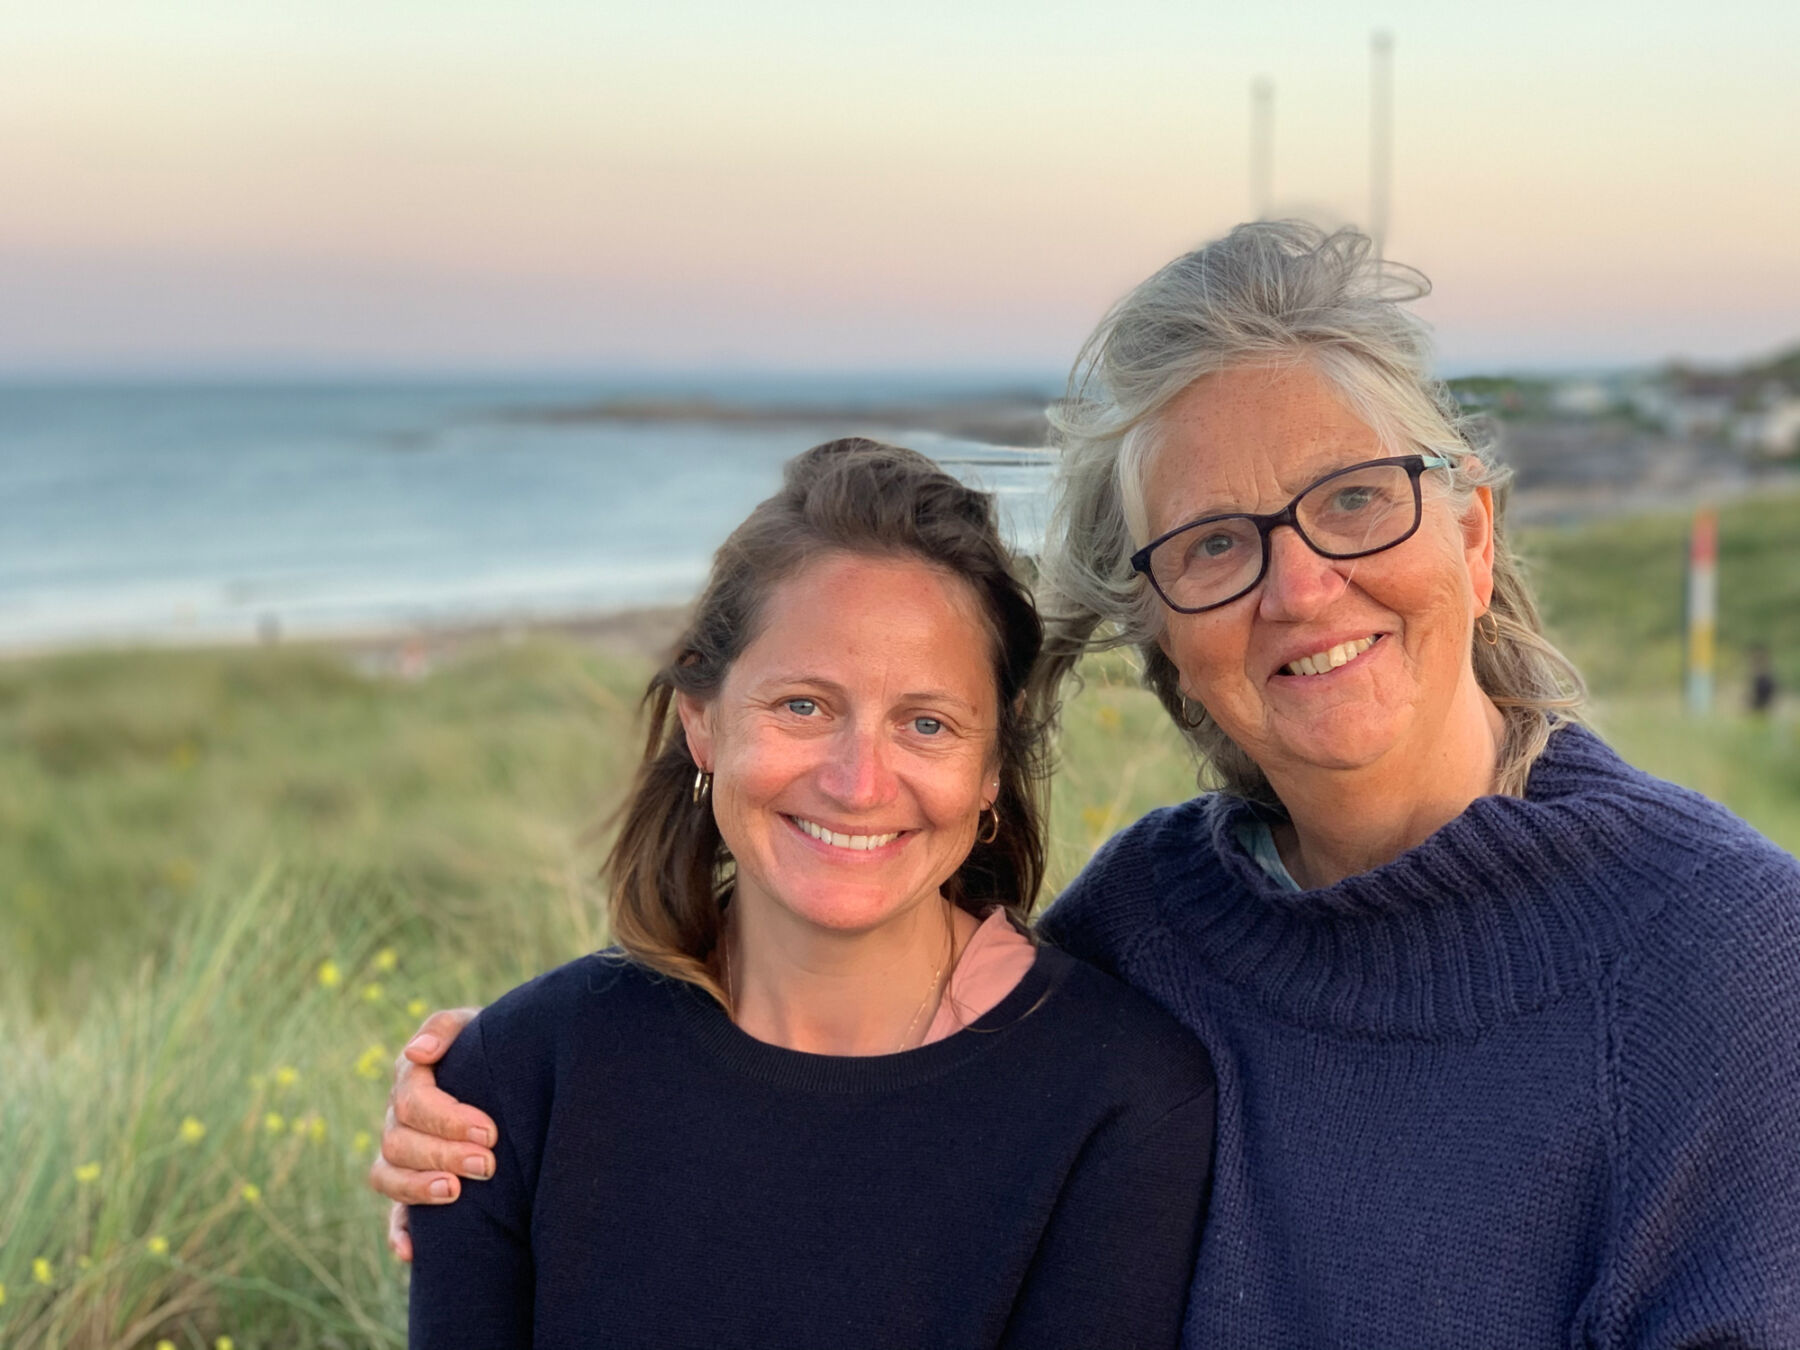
column 991, row 966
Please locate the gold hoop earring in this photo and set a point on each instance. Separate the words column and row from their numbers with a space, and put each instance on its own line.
column 992, row 832
column 1490, row 634
column 702, row 785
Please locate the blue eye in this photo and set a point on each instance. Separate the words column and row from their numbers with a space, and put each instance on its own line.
column 802, row 707
column 927, row 726
column 1214, row 545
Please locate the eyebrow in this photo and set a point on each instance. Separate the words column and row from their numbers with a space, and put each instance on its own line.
column 1313, row 479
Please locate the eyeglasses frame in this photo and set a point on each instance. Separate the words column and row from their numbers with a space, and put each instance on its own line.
column 1415, row 464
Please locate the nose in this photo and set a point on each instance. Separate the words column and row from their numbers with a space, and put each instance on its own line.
column 857, row 774
column 1299, row 584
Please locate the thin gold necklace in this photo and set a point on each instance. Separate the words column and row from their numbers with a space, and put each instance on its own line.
column 905, row 1036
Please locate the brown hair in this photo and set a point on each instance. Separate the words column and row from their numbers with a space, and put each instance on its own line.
column 669, row 872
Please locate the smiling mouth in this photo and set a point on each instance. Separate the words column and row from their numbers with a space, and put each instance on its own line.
column 1323, row 663
column 856, row 843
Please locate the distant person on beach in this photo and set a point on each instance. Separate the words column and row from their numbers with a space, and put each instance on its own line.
column 826, row 1092
column 1507, row 1032
column 1762, row 682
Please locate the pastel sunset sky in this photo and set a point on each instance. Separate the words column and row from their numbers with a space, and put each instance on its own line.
column 575, row 185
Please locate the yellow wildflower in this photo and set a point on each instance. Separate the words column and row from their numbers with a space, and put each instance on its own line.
column 359, row 1142
column 251, row 1192
column 372, row 1063
column 386, row 960
column 2, row 1296
column 165, row 1345
column 158, row 1245
column 40, row 1270
column 329, row 974
column 371, row 992
column 87, row 1172
column 273, row 1122
column 1108, row 717
column 315, row 1129
column 286, row 1076
column 417, row 1007
column 1095, row 817
column 192, row 1130
column 224, row 1343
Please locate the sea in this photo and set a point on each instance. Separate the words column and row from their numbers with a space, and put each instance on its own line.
column 202, row 512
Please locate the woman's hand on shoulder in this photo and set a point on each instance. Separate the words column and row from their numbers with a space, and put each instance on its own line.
column 430, row 1139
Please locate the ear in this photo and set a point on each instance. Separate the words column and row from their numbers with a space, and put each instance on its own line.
column 696, row 724
column 1478, row 547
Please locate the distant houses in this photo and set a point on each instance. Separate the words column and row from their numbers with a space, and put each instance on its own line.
column 1754, row 410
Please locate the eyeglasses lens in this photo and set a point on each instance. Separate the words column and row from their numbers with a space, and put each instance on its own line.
column 1209, row 563
column 1358, row 512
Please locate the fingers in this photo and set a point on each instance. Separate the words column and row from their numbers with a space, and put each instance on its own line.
column 399, row 1234
column 435, row 1033
column 419, row 1104
column 412, row 1186
column 410, row 1150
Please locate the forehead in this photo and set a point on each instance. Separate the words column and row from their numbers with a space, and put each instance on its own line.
column 856, row 619
column 1252, row 437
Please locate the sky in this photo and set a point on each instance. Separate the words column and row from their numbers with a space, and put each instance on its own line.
column 419, row 186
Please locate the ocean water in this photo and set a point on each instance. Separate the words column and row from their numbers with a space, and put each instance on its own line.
column 220, row 512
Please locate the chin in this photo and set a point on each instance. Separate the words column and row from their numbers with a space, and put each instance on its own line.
column 1350, row 739
column 845, row 910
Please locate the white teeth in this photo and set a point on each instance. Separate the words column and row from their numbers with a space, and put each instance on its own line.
column 859, row 842
column 1330, row 659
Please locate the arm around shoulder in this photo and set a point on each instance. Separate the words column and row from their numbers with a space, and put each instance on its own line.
column 473, row 1277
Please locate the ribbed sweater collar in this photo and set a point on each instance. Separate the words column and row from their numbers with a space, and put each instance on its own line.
column 1500, row 912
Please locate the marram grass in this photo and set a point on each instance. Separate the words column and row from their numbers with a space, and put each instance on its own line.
column 186, row 1162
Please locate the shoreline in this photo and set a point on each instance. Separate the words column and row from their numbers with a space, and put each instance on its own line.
column 642, row 633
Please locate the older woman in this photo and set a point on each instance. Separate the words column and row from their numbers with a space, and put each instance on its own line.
column 1507, row 1032
column 802, row 1103
column 1505, row 1029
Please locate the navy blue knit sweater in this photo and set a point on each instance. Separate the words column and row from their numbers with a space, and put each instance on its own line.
column 1535, row 1083
column 665, row 1180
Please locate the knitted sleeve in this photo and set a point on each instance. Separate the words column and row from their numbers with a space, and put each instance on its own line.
column 1705, row 1074
column 473, row 1279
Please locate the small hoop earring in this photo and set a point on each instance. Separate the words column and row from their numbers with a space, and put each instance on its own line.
column 702, row 784
column 992, row 832
column 1490, row 634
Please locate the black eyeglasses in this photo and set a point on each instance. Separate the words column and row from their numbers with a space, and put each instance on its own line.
column 1349, row 513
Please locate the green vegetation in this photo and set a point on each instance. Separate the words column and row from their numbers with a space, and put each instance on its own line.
column 230, row 882
column 1614, row 594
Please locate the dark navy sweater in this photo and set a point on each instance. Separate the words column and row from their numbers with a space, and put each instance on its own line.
column 1035, row 1180
column 1536, row 1083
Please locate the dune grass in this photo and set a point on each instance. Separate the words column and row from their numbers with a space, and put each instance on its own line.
column 230, row 882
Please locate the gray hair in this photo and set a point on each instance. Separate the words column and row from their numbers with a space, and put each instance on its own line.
column 1271, row 293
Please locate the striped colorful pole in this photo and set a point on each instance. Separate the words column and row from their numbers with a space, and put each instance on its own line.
column 1702, row 609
